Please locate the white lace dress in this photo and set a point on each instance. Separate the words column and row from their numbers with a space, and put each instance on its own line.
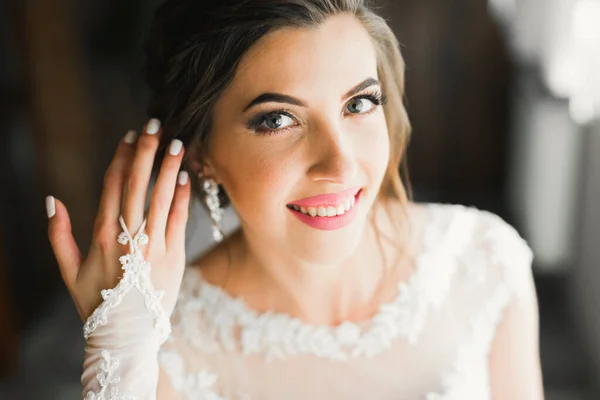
column 431, row 342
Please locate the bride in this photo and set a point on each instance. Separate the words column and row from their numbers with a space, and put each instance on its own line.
column 336, row 285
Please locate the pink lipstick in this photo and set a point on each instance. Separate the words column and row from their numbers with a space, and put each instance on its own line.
column 329, row 211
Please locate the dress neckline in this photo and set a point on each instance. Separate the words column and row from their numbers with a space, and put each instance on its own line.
column 278, row 333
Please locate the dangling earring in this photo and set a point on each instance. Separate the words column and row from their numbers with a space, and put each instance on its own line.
column 211, row 188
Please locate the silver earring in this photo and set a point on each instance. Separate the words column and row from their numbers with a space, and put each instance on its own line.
column 212, row 202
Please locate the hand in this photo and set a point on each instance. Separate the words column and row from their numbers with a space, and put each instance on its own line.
column 125, row 184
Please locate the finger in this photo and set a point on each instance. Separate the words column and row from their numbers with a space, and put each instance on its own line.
column 139, row 174
column 114, row 179
column 61, row 238
column 178, row 215
column 163, row 191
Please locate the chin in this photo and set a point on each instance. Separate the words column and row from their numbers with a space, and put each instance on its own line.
column 329, row 247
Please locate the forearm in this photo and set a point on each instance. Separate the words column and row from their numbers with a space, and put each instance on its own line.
column 128, row 368
column 124, row 335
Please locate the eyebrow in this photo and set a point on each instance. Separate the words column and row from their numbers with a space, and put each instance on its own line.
column 283, row 98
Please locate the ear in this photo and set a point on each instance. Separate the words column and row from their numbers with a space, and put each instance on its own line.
column 201, row 164
column 204, row 168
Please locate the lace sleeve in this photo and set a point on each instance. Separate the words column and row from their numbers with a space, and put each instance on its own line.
column 514, row 362
column 509, row 251
column 496, row 276
column 125, row 332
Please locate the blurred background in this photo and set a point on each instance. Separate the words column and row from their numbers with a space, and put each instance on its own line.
column 504, row 98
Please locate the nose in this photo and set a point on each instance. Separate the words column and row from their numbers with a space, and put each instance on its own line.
column 334, row 158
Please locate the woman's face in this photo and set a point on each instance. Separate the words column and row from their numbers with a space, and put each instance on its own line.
column 300, row 120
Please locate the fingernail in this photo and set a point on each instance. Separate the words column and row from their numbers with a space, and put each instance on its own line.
column 175, row 147
column 182, row 178
column 50, row 206
column 130, row 137
column 153, row 126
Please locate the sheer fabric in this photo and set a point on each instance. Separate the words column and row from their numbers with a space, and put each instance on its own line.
column 432, row 341
column 125, row 331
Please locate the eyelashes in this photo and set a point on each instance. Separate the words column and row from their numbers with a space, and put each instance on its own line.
column 257, row 123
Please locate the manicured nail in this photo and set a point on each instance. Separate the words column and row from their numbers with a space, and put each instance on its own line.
column 153, row 126
column 182, row 178
column 50, row 206
column 130, row 137
column 175, row 147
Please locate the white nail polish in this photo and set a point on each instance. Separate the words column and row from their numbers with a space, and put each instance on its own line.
column 175, row 147
column 153, row 126
column 130, row 137
column 50, row 206
column 182, row 178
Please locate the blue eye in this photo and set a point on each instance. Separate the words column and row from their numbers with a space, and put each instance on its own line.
column 275, row 121
column 376, row 99
column 356, row 106
column 272, row 122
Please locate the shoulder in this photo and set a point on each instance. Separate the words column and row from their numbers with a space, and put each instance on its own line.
column 483, row 242
column 495, row 288
column 480, row 228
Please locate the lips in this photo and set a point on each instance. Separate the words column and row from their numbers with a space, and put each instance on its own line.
column 320, row 212
column 327, row 200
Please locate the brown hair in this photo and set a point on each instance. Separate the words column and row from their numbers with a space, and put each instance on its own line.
column 193, row 49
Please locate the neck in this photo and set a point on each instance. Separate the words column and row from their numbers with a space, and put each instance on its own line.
column 319, row 294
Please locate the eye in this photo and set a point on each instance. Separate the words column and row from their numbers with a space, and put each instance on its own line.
column 276, row 121
column 360, row 104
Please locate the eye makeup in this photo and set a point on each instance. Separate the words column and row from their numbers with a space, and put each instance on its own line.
column 257, row 123
column 376, row 97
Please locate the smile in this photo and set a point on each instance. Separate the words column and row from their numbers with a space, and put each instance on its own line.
column 327, row 211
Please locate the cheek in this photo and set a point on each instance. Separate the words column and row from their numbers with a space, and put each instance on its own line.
column 256, row 183
column 374, row 148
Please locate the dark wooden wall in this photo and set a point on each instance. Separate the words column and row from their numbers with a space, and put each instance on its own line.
column 458, row 78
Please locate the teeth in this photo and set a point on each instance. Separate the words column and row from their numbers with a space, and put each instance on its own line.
column 329, row 211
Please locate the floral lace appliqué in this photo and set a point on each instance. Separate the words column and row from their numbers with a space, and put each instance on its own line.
column 107, row 379
column 469, row 379
column 470, row 264
column 498, row 244
column 136, row 275
column 198, row 386
column 279, row 335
